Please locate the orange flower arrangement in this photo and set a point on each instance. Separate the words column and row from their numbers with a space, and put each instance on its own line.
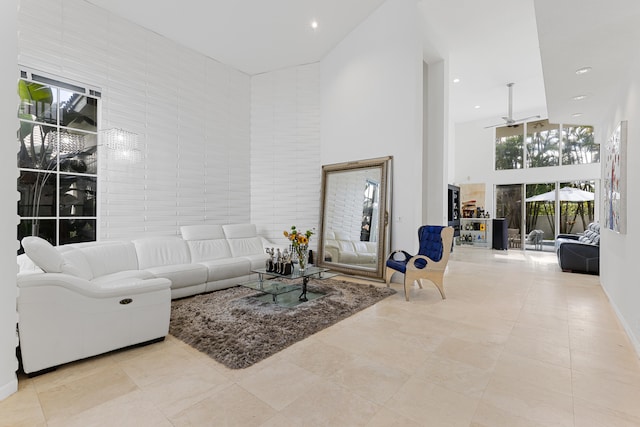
column 299, row 243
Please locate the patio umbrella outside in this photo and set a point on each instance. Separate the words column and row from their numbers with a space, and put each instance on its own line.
column 566, row 194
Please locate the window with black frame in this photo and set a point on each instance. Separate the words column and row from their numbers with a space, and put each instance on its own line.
column 509, row 147
column 57, row 159
column 542, row 144
column 579, row 146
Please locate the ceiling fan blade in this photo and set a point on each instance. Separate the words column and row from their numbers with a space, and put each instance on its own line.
column 527, row 118
column 496, row 125
column 510, row 86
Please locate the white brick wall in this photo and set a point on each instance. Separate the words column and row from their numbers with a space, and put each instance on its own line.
column 191, row 114
column 285, row 150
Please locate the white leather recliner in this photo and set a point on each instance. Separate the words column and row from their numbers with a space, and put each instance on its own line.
column 88, row 302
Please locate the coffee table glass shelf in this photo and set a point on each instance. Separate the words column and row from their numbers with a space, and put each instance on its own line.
column 286, row 294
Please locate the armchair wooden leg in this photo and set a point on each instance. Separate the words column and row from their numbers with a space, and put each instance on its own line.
column 440, row 285
column 388, row 272
column 406, row 290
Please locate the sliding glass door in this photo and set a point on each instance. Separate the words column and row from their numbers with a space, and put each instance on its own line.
column 509, row 207
column 540, row 217
column 536, row 226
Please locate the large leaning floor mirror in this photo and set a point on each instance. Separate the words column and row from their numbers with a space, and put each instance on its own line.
column 354, row 219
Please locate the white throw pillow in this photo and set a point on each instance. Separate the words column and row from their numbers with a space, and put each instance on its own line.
column 43, row 254
column 26, row 265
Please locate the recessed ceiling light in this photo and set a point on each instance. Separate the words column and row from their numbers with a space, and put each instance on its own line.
column 314, row 24
column 583, row 70
column 579, row 97
column 456, row 80
column 576, row 114
column 476, row 107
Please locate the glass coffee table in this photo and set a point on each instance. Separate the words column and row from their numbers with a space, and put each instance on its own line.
column 281, row 293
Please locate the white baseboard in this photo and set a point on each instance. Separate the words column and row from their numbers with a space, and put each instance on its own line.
column 634, row 340
column 9, row 388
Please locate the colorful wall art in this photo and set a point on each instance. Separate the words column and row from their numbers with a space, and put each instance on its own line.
column 614, row 181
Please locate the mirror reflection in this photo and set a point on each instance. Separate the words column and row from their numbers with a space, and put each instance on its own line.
column 354, row 234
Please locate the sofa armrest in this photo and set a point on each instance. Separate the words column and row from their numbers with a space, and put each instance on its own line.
column 579, row 257
column 124, row 287
column 332, row 254
column 568, row 236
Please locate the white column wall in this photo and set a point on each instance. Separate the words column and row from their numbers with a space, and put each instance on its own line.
column 8, row 194
column 435, row 164
column 285, row 151
column 371, row 106
column 191, row 114
column 618, row 272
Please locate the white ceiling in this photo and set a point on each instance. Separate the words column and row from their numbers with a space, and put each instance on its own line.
column 603, row 35
column 488, row 43
column 254, row 36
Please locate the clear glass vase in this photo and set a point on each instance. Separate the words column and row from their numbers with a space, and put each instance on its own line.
column 302, row 253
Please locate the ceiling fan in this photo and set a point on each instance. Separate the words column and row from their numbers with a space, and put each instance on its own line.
column 509, row 121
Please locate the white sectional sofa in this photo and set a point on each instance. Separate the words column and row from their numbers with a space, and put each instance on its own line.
column 344, row 250
column 80, row 300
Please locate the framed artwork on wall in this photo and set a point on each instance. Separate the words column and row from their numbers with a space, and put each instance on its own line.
column 615, row 181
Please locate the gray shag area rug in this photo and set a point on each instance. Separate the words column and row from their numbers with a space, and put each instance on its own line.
column 238, row 330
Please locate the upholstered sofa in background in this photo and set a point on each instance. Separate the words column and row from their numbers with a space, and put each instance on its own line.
column 580, row 253
column 80, row 300
column 341, row 249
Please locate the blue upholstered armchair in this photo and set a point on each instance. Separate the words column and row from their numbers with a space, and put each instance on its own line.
column 429, row 263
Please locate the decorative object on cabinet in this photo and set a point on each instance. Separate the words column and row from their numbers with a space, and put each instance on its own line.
column 469, row 209
column 475, row 231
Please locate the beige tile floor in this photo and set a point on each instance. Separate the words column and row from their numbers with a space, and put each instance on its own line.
column 516, row 343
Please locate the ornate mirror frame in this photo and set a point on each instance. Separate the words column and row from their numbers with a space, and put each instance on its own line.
column 375, row 264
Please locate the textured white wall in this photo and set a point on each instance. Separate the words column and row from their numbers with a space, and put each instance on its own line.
column 618, row 272
column 8, row 194
column 190, row 112
column 285, row 151
column 371, row 106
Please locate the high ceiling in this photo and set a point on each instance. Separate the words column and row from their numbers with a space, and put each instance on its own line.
column 602, row 35
column 488, row 43
column 254, row 36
